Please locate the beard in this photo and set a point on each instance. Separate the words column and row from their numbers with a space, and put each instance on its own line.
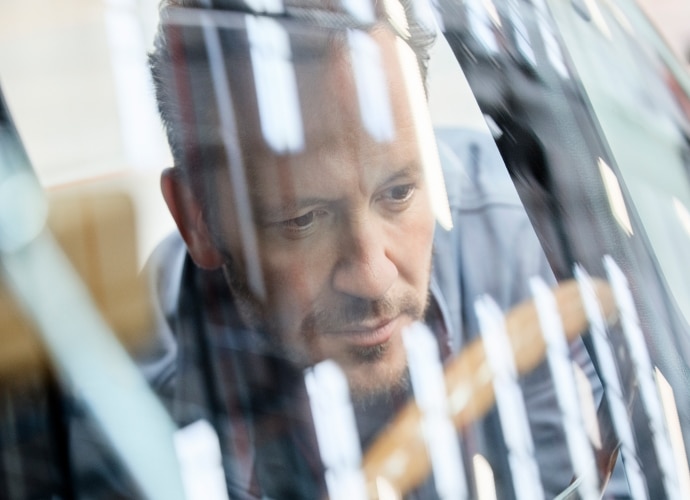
column 302, row 348
column 347, row 312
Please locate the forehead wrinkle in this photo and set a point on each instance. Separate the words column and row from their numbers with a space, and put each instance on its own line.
column 282, row 184
column 326, row 166
column 336, row 143
column 292, row 201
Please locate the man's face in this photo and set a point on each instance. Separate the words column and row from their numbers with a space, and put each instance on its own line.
column 344, row 232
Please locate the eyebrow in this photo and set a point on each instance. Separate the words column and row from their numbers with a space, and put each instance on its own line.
column 412, row 169
column 269, row 214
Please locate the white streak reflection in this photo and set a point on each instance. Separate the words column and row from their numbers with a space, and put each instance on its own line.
column 481, row 24
column 668, row 401
column 509, row 400
column 362, row 10
column 370, row 80
column 682, row 214
column 615, row 197
column 428, row 150
column 336, row 431
column 426, row 373
column 588, row 407
column 612, row 386
column 484, row 477
column 276, row 85
column 492, row 12
column 230, row 139
column 266, row 6
column 524, row 45
column 558, row 357
column 397, row 17
column 598, row 18
column 645, row 375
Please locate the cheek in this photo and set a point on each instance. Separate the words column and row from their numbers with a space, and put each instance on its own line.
column 294, row 279
column 221, row 214
column 414, row 255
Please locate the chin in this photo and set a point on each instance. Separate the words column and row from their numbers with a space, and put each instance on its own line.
column 379, row 373
column 370, row 395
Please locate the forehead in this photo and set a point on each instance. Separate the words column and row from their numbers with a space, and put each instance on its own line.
column 349, row 110
column 263, row 100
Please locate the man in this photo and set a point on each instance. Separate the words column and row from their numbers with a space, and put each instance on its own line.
column 303, row 191
column 328, row 219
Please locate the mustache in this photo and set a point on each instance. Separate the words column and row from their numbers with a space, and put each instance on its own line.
column 352, row 311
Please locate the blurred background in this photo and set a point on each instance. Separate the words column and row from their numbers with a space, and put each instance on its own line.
column 75, row 78
column 672, row 18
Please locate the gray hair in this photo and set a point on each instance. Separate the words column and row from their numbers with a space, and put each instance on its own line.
column 193, row 147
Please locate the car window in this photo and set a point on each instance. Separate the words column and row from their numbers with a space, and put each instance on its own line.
column 640, row 98
column 343, row 250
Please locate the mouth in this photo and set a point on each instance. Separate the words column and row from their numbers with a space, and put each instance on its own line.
column 369, row 334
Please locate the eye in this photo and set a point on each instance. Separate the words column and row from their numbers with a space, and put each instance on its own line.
column 400, row 194
column 304, row 225
column 300, row 223
column 299, row 227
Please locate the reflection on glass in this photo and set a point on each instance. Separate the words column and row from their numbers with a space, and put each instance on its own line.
column 524, row 45
column 491, row 11
column 336, row 431
column 362, row 10
column 267, row 6
column 509, row 401
column 588, row 407
column 558, row 356
column 612, row 386
column 674, row 428
column 199, row 453
column 139, row 122
column 643, row 369
column 429, row 389
column 637, row 89
column 85, row 355
column 230, row 144
column 424, row 134
column 23, row 208
column 598, row 17
column 276, row 86
column 620, row 16
column 484, row 477
column 682, row 214
column 553, row 48
column 615, row 197
column 397, row 17
column 481, row 24
column 374, row 102
column 385, row 491
column 324, row 211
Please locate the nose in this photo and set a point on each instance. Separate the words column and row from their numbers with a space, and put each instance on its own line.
column 364, row 269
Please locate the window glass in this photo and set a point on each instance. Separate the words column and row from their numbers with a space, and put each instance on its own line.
column 340, row 249
column 639, row 93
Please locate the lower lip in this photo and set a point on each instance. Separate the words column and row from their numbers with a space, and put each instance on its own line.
column 371, row 338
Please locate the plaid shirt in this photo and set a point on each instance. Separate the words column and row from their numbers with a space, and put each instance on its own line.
column 30, row 419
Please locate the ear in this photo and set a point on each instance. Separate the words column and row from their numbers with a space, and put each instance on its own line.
column 188, row 216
